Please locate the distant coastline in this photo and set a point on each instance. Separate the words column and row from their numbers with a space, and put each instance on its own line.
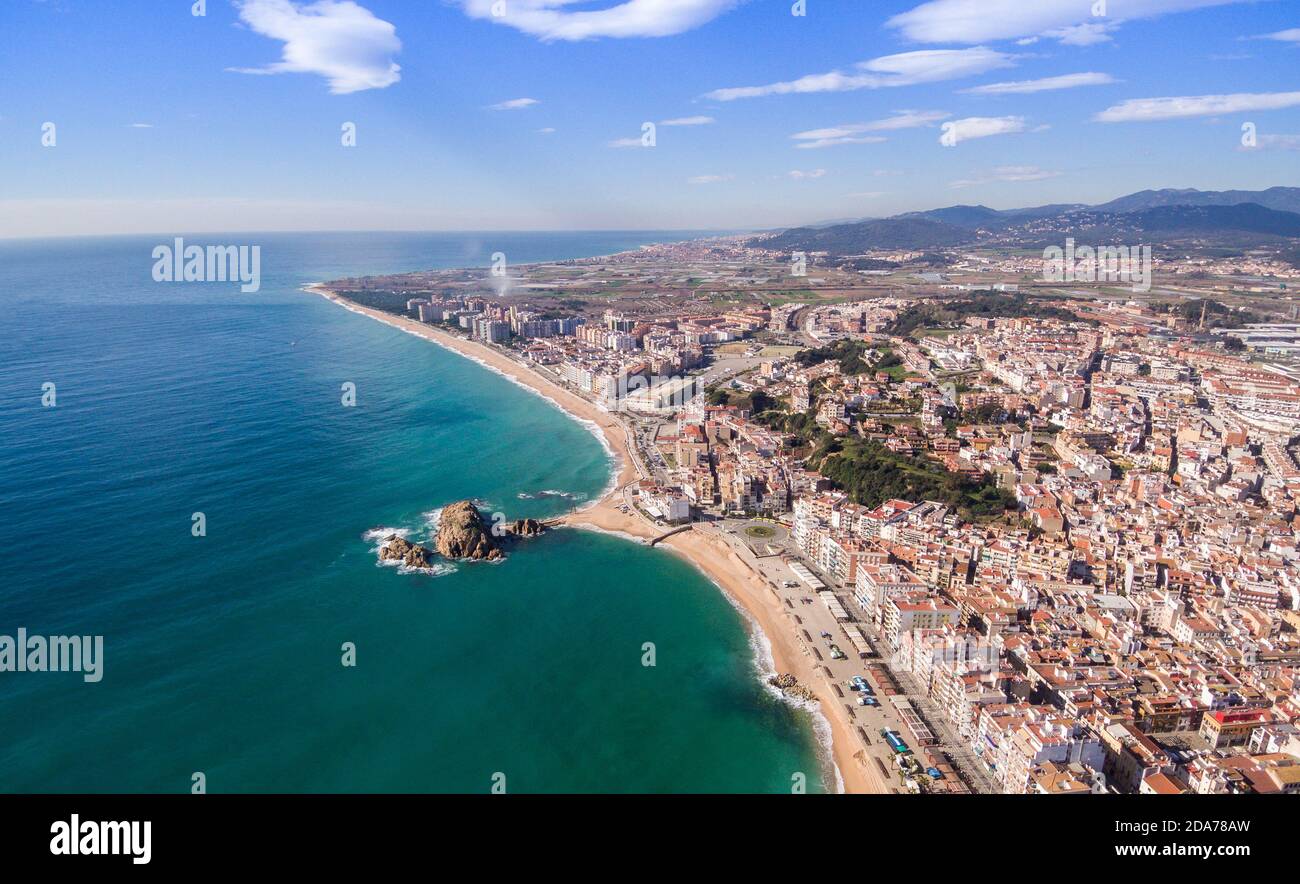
column 707, row 552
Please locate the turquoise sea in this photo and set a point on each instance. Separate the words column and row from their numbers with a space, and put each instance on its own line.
column 222, row 653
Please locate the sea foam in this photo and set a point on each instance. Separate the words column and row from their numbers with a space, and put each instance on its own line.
column 765, row 667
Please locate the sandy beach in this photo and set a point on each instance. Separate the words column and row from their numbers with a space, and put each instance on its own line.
column 701, row 546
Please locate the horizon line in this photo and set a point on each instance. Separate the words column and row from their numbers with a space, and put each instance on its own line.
column 706, row 230
column 387, row 231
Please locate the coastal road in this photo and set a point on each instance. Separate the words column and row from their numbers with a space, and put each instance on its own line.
column 806, row 614
column 972, row 768
column 963, row 759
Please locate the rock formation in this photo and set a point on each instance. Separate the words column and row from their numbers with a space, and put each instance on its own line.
column 525, row 528
column 790, row 686
column 400, row 549
column 462, row 534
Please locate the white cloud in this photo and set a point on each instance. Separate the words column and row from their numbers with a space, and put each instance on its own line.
column 800, row 175
column 1070, row 21
column 625, row 142
column 140, row 126
column 1088, row 34
column 1175, row 108
column 549, row 20
column 1290, row 35
column 834, row 141
column 1021, row 173
column 907, row 120
column 931, row 65
column 688, row 121
column 852, row 133
column 1008, row 174
column 956, row 131
column 903, row 69
column 708, row 179
column 1279, row 142
column 548, row 130
column 835, row 81
column 337, row 39
column 1047, row 84
column 513, row 104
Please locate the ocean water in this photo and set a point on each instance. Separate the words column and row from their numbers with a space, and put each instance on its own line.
column 223, row 653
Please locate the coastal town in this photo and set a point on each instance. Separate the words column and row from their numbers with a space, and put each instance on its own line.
column 1008, row 536
column 566, row 417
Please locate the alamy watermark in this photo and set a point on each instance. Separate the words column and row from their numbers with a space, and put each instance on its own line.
column 77, row 837
column 178, row 262
column 654, row 394
column 1131, row 264
column 963, row 655
column 55, row 653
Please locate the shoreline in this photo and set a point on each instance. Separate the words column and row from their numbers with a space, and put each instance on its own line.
column 708, row 554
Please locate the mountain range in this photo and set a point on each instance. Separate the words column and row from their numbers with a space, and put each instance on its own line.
column 1231, row 217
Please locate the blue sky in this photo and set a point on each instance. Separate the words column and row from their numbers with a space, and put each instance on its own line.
column 166, row 121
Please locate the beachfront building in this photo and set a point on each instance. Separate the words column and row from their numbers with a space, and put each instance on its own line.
column 875, row 583
column 903, row 613
column 668, row 504
column 492, row 331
